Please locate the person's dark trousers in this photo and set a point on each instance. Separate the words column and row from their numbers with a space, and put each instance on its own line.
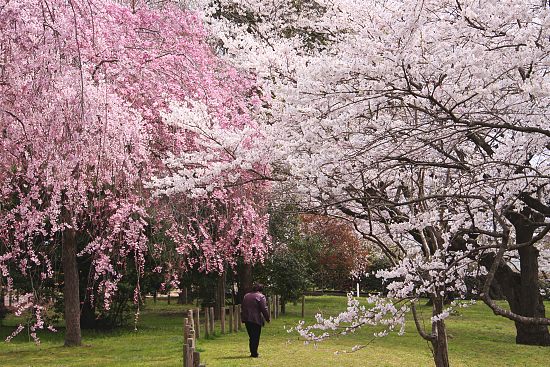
column 254, row 331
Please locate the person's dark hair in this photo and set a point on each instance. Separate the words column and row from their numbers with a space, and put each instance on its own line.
column 257, row 287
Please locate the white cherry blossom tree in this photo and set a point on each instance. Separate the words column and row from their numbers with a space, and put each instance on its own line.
column 424, row 123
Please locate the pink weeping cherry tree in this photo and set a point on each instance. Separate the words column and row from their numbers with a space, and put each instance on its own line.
column 84, row 90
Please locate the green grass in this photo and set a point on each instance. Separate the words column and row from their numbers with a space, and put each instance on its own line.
column 478, row 338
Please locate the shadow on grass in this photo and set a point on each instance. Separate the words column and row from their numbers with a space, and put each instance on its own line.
column 234, row 357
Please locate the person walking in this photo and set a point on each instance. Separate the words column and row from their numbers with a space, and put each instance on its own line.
column 254, row 313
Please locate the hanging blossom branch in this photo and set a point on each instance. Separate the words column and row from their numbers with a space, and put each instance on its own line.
column 382, row 312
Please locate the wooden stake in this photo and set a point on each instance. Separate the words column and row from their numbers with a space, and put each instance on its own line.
column 192, row 337
column 186, row 352
column 191, row 352
column 238, row 318
column 206, row 322
column 231, row 323
column 212, row 320
column 196, row 359
column 191, row 318
column 222, row 320
column 196, row 311
column 303, row 306
column 186, row 329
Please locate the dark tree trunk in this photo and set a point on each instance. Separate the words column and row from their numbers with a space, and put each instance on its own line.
column 283, row 306
column 245, row 280
column 155, row 297
column 182, row 297
column 2, row 294
column 71, row 289
column 439, row 343
column 220, row 296
column 531, row 302
column 521, row 290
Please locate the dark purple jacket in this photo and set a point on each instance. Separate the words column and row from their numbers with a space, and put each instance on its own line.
column 253, row 307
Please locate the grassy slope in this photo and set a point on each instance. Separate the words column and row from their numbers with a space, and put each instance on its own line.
column 478, row 339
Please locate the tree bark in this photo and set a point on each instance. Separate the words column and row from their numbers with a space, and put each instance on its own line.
column 530, row 302
column 439, row 332
column 521, row 290
column 220, row 296
column 71, row 289
column 2, row 294
column 245, row 280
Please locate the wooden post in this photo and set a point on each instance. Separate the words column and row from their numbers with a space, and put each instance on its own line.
column 220, row 296
column 303, row 306
column 196, row 311
column 206, row 322
column 185, row 351
column 196, row 359
column 222, row 320
column 191, row 320
column 185, row 328
column 231, row 323
column 276, row 306
column 212, row 319
column 270, row 306
column 191, row 352
column 186, row 354
column 238, row 318
column 192, row 337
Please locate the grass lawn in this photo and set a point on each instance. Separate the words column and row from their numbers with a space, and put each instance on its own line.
column 478, row 338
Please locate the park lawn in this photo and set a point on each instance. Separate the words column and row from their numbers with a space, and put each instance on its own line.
column 478, row 338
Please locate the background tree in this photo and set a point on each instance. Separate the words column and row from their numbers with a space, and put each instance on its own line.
column 291, row 265
column 341, row 253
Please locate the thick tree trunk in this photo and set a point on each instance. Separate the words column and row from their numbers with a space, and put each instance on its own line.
column 522, row 292
column 527, row 301
column 245, row 280
column 71, row 289
column 439, row 331
column 220, row 296
column 531, row 302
